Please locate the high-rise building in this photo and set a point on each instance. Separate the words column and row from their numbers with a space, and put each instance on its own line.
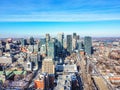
column 47, row 37
column 29, row 66
column 47, row 41
column 69, row 43
column 43, row 50
column 48, row 66
column 51, row 50
column 65, row 43
column 42, row 46
column 31, row 41
column 79, row 45
column 36, row 48
column 60, row 40
column 74, row 41
column 88, row 45
column 74, row 35
column 34, row 60
column 23, row 41
column 42, row 41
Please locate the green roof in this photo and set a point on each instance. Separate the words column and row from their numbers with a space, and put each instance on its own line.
column 15, row 72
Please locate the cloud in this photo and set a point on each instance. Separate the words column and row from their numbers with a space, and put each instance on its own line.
column 61, row 17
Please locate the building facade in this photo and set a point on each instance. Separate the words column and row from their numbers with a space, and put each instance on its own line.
column 69, row 43
column 88, row 45
column 48, row 66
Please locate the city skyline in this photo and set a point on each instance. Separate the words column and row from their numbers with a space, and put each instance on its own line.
column 23, row 18
column 39, row 29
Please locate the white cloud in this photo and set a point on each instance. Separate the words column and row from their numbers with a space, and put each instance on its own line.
column 61, row 17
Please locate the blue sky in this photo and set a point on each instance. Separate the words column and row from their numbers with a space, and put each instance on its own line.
column 36, row 17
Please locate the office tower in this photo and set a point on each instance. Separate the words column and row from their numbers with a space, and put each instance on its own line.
column 43, row 50
column 47, row 37
column 42, row 41
column 60, row 40
column 88, row 45
column 65, row 43
column 47, row 41
column 31, row 41
column 79, row 45
column 42, row 46
column 34, row 60
column 69, row 43
column 56, row 47
column 74, row 35
column 48, row 66
column 23, row 42
column 51, row 50
column 36, row 48
column 74, row 41
column 29, row 63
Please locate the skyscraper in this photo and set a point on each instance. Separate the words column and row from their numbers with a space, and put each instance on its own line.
column 31, row 41
column 74, row 41
column 36, row 48
column 79, row 45
column 74, row 35
column 42, row 46
column 47, row 37
column 51, row 50
column 23, row 41
column 88, row 45
column 43, row 50
column 69, row 43
column 42, row 41
column 60, row 37
column 34, row 60
column 60, row 40
column 47, row 41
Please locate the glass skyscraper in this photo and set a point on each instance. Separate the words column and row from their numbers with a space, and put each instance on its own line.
column 69, row 43
column 51, row 50
column 60, row 41
column 88, row 45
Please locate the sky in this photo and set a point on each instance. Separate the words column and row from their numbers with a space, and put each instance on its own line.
column 20, row 18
